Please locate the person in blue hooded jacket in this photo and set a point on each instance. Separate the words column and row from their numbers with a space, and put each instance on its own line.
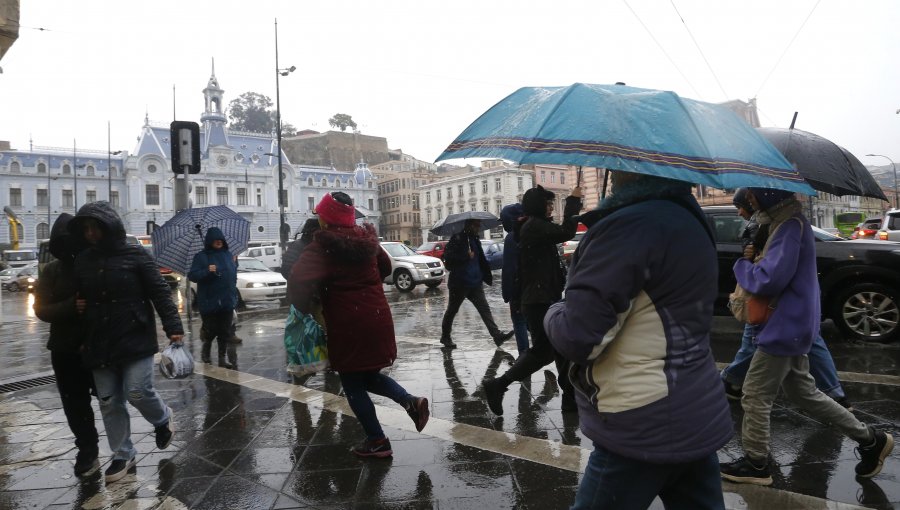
column 215, row 272
column 510, row 286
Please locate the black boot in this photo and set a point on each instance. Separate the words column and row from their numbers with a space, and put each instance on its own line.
column 222, row 362
column 231, row 350
column 206, row 351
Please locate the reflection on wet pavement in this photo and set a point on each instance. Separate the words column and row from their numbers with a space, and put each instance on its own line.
column 260, row 438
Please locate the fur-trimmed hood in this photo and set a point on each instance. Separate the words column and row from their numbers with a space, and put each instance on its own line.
column 349, row 244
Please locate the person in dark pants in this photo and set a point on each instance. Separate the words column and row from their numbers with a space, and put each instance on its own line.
column 343, row 269
column 215, row 273
column 54, row 302
column 509, row 280
column 542, row 279
column 469, row 268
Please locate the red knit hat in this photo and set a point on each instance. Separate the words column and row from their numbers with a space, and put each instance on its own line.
column 336, row 213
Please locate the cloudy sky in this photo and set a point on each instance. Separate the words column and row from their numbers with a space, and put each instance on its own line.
column 418, row 72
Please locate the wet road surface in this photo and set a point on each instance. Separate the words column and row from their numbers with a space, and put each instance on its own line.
column 259, row 438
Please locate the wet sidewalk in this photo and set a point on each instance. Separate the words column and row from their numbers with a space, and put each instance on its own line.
column 259, row 438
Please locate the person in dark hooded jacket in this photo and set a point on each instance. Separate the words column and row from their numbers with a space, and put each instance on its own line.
column 215, row 272
column 118, row 286
column 54, row 302
column 343, row 269
column 542, row 280
column 510, row 288
column 296, row 247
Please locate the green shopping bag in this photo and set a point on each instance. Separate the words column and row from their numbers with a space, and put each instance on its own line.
column 305, row 342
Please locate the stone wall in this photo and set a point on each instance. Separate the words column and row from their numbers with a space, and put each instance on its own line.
column 342, row 150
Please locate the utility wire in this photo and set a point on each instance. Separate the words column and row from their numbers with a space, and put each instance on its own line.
column 697, row 45
column 787, row 48
column 662, row 49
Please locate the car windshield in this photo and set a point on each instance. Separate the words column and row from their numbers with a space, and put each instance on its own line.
column 821, row 235
column 426, row 247
column 246, row 265
column 398, row 250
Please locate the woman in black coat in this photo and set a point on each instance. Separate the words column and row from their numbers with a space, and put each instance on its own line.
column 118, row 286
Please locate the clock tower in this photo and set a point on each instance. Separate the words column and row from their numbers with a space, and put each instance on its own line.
column 213, row 117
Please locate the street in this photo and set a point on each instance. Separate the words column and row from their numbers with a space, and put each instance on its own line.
column 258, row 438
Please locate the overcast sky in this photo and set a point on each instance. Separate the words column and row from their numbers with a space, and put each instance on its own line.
column 418, row 72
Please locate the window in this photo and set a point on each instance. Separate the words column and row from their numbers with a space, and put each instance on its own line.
column 90, row 195
column 518, row 183
column 310, row 203
column 371, row 205
column 337, row 182
column 151, row 192
column 114, row 199
column 284, row 198
column 221, row 195
column 484, row 186
column 562, row 178
column 437, row 193
column 200, row 193
column 258, row 197
column 90, row 170
column 497, row 185
column 498, row 204
column 66, row 169
column 459, row 190
column 472, row 206
column 15, row 168
column 553, row 177
column 15, row 196
column 113, row 171
column 242, row 196
column 350, row 183
column 449, row 193
column 42, row 231
column 42, row 199
column 67, row 199
column 427, row 197
column 309, row 182
column 42, row 168
column 151, row 169
column 543, row 176
column 324, row 181
column 449, row 209
column 484, row 206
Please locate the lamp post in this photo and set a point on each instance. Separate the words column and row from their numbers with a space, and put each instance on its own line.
column 75, row 172
column 109, row 155
column 894, row 168
column 279, row 72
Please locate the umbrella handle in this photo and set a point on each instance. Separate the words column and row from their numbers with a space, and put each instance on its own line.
column 578, row 177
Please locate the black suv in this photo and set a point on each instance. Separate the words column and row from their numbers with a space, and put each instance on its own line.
column 859, row 280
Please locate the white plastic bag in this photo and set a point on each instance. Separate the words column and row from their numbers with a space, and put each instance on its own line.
column 176, row 362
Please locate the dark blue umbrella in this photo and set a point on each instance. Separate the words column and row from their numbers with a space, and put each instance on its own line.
column 626, row 128
column 179, row 239
column 453, row 223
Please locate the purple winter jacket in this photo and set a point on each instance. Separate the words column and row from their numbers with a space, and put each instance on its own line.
column 788, row 270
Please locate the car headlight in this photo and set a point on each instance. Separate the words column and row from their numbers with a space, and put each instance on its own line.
column 255, row 285
column 31, row 280
column 420, row 266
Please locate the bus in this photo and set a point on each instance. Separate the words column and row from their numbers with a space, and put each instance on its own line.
column 847, row 221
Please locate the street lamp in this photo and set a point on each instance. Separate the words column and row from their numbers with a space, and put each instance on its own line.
column 279, row 72
column 109, row 155
column 894, row 168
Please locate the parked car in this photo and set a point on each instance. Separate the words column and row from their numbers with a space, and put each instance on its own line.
column 269, row 254
column 432, row 248
column 255, row 282
column 9, row 277
column 890, row 227
column 567, row 248
column 25, row 280
column 859, row 279
column 493, row 252
column 867, row 229
column 409, row 268
column 833, row 231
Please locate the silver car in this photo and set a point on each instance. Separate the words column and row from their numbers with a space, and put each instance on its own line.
column 409, row 268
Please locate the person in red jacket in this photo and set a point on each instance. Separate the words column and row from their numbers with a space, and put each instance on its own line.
column 342, row 268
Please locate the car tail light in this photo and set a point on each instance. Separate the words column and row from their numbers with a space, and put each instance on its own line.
column 882, row 236
column 868, row 232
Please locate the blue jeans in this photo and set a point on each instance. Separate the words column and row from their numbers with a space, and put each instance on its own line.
column 358, row 385
column 821, row 364
column 520, row 326
column 613, row 481
column 130, row 382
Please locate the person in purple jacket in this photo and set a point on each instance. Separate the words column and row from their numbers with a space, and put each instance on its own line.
column 635, row 322
column 785, row 271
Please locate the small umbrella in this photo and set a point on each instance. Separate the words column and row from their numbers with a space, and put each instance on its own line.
column 825, row 165
column 626, row 128
column 179, row 239
column 454, row 223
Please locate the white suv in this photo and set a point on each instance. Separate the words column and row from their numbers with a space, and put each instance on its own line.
column 890, row 226
column 409, row 268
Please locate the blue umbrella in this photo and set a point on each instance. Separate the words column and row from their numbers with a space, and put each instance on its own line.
column 626, row 128
column 179, row 239
column 453, row 223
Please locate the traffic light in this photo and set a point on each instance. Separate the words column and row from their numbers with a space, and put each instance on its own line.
column 185, row 146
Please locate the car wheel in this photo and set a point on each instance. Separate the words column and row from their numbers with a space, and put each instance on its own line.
column 13, row 287
column 403, row 280
column 869, row 312
column 432, row 285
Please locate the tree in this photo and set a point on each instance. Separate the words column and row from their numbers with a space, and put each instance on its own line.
column 253, row 112
column 342, row 120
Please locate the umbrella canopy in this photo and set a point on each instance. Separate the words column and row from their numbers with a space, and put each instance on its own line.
column 825, row 165
column 453, row 223
column 626, row 128
column 179, row 239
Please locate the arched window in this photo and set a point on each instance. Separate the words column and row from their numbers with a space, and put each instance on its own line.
column 66, row 169
column 350, row 183
column 113, row 171
column 42, row 168
column 337, row 182
column 90, row 170
column 324, row 181
column 42, row 231
column 309, row 182
column 15, row 167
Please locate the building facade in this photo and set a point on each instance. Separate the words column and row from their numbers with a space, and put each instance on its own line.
column 238, row 169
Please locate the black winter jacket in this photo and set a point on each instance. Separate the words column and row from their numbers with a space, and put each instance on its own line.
column 122, row 286
column 456, row 256
column 54, row 296
column 541, row 274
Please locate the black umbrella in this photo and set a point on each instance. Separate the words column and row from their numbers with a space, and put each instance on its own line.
column 825, row 165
